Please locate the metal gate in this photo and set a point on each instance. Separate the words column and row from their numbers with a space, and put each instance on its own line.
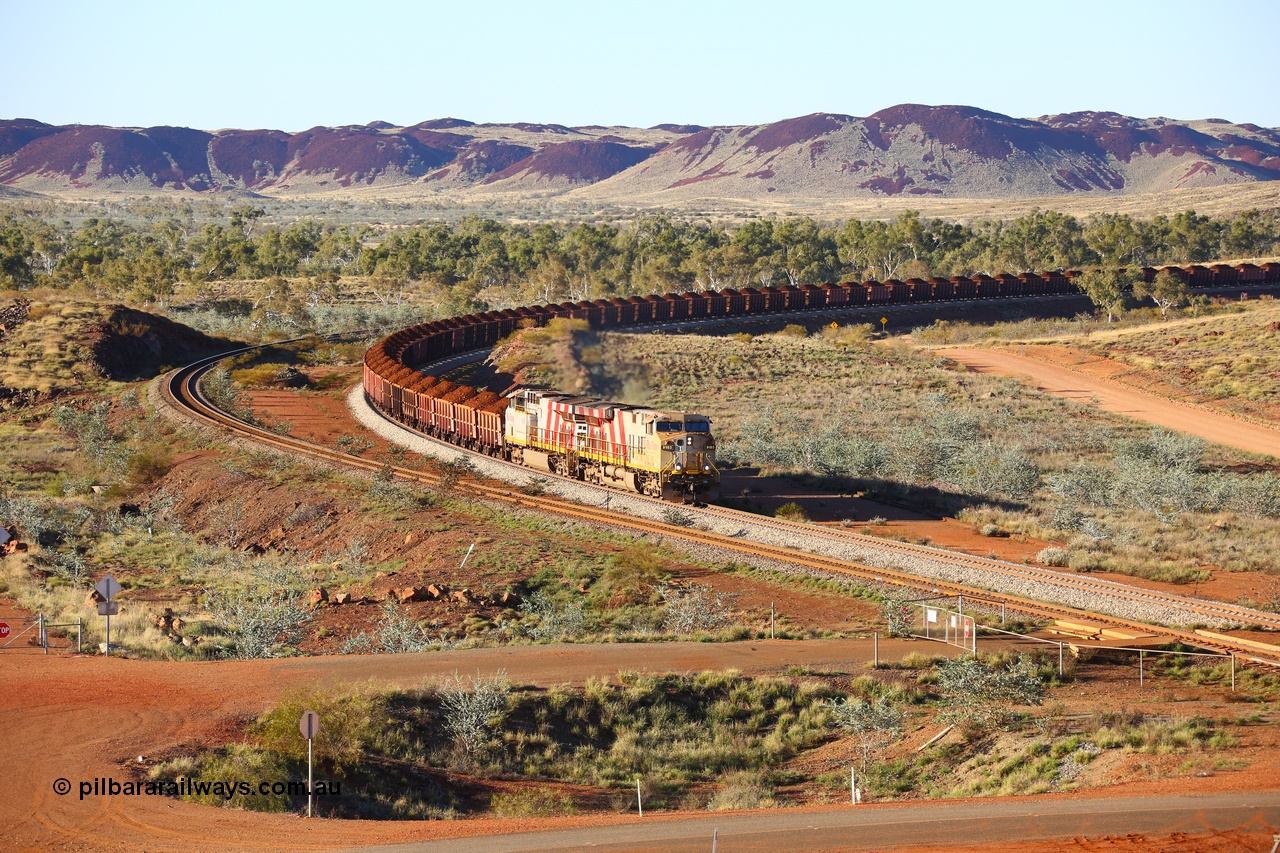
column 952, row 627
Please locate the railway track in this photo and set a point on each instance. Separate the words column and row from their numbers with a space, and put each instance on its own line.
column 181, row 390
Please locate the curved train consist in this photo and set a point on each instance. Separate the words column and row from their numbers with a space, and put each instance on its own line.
column 670, row 455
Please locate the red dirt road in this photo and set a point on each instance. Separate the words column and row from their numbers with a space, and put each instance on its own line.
column 78, row 719
column 1113, row 397
column 84, row 718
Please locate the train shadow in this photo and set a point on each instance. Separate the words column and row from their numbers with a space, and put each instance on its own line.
column 844, row 499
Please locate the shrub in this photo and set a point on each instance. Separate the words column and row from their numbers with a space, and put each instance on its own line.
column 848, row 336
column 475, row 708
column 700, row 608
column 677, row 517
column 265, row 615
column 898, row 615
column 149, row 465
column 352, row 723
column 552, row 621
column 792, row 512
column 744, row 789
column 1054, row 556
column 395, row 634
column 532, row 802
column 794, row 330
column 355, row 445
column 873, row 724
column 981, row 693
column 224, row 395
column 1083, row 561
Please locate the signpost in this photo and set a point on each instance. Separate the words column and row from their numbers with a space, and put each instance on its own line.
column 884, row 322
column 107, row 588
column 309, row 725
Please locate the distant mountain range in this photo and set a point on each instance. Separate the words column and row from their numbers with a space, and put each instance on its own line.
column 901, row 152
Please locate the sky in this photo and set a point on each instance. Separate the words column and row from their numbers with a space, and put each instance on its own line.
column 295, row 65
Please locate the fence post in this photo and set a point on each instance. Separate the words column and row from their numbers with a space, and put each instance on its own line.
column 1233, row 673
column 1142, row 656
column 79, row 634
column 875, row 655
column 1061, row 668
column 44, row 633
column 772, row 635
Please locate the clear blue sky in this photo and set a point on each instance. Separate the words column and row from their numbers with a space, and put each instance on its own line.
column 291, row 66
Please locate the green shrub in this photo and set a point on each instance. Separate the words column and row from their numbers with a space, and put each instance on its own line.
column 532, row 802
column 1054, row 556
column 744, row 789
column 792, row 512
column 352, row 723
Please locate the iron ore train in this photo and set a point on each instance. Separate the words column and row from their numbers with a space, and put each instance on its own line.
column 668, row 455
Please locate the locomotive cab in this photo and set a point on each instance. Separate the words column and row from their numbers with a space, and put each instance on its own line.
column 688, row 458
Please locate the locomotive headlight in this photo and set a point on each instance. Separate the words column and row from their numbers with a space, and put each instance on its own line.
column 677, row 466
column 706, row 467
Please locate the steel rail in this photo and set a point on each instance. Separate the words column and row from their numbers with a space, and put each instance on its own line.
column 181, row 389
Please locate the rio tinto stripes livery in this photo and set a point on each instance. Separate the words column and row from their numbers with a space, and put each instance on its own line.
column 669, row 455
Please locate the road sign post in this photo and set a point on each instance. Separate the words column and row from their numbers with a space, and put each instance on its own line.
column 309, row 725
column 107, row 588
column 4, row 630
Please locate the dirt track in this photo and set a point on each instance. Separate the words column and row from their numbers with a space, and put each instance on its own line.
column 81, row 718
column 1113, row 397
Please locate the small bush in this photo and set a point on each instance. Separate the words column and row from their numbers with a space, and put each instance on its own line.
column 792, row 512
column 1054, row 556
column 533, row 802
column 700, row 608
column 677, row 518
column 744, row 789
column 1083, row 561
column 550, row 620
column 149, row 465
column 474, row 708
column 794, row 330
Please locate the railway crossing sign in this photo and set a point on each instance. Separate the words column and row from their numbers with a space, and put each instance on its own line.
column 107, row 588
column 309, row 725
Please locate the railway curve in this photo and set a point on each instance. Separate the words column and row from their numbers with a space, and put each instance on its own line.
column 181, row 390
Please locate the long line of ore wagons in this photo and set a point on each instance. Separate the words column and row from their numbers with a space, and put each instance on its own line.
column 475, row 419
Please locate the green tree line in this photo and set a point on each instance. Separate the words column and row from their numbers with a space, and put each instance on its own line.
column 482, row 263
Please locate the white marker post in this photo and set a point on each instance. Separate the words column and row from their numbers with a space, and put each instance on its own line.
column 309, row 725
column 639, row 803
column 467, row 556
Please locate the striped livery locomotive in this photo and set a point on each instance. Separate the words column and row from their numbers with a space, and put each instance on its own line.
column 668, row 455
